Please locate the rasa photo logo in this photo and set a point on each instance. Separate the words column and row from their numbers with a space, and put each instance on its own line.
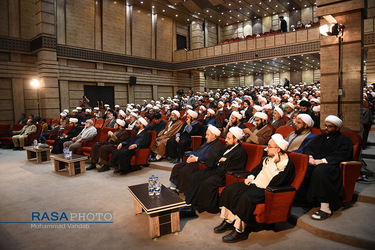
column 69, row 220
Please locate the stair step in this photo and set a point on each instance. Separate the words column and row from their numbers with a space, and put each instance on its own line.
column 352, row 226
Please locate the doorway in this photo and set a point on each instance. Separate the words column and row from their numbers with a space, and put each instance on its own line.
column 100, row 95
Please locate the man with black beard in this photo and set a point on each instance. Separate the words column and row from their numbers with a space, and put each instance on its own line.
column 259, row 134
column 203, row 186
column 302, row 136
column 305, row 107
column 158, row 124
column 324, row 177
column 234, row 121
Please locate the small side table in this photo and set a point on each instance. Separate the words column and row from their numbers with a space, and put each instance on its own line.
column 75, row 165
column 41, row 154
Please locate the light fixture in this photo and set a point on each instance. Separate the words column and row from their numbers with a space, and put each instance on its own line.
column 333, row 28
column 35, row 83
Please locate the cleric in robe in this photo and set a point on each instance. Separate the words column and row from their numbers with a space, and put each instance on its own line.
column 203, row 186
column 206, row 153
column 238, row 200
column 324, row 177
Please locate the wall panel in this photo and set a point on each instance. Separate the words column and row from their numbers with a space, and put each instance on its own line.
column 141, row 35
column 114, row 26
column 80, row 23
column 164, row 39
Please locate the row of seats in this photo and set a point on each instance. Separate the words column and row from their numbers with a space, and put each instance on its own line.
column 278, row 202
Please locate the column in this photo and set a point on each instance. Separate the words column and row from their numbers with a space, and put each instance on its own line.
column 198, row 81
column 49, row 94
column 349, row 14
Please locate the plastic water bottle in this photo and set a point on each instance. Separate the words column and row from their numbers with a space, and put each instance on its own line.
column 157, row 186
column 35, row 144
column 150, row 187
column 65, row 150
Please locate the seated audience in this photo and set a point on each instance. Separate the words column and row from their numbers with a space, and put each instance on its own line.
column 203, row 186
column 101, row 150
column 125, row 150
column 259, row 134
column 58, row 144
column 170, row 131
column 277, row 120
column 87, row 134
column 158, row 124
column 176, row 145
column 324, row 177
column 23, row 119
column 238, row 200
column 110, row 119
column 302, row 136
column 43, row 131
column 59, row 129
column 20, row 136
column 205, row 153
column 234, row 121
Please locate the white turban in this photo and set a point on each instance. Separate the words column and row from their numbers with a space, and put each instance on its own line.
column 117, row 106
column 134, row 114
column 143, row 121
column 192, row 113
column 106, row 105
column 279, row 140
column 176, row 113
column 203, row 108
column 214, row 130
column 88, row 110
column 221, row 103
column 261, row 115
column 149, row 106
column 79, row 108
column 74, row 120
column 211, row 111
column 122, row 113
column 63, row 114
column 278, row 110
column 316, row 109
column 335, row 120
column 235, row 104
column 290, row 105
column 189, row 106
column 237, row 132
column 120, row 122
column 306, row 119
column 268, row 106
column 237, row 115
column 75, row 110
column 211, row 99
column 315, row 100
column 96, row 108
column 258, row 108
column 66, row 111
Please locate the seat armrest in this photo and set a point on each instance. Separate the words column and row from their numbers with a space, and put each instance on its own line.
column 233, row 172
column 243, row 174
column 280, row 189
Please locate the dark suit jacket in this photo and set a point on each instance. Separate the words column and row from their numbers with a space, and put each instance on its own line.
column 196, row 130
column 142, row 140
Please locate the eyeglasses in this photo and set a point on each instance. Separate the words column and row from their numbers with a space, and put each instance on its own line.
column 329, row 126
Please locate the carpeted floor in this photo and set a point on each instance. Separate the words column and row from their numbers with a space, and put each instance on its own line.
column 27, row 187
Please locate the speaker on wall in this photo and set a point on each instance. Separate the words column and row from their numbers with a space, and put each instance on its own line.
column 132, row 81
